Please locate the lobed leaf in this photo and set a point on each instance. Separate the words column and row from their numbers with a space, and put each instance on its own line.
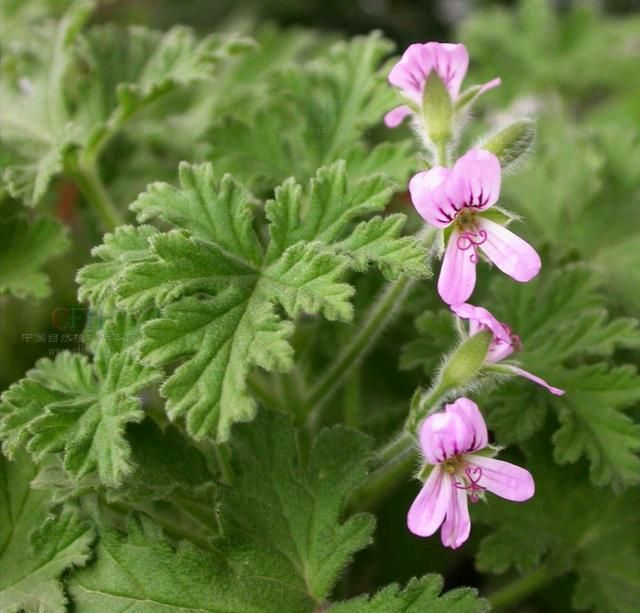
column 569, row 526
column 25, row 248
column 79, row 408
column 224, row 299
column 37, row 545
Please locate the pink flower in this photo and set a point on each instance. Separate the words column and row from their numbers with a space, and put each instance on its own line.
column 504, row 342
column 449, row 441
column 450, row 61
column 457, row 197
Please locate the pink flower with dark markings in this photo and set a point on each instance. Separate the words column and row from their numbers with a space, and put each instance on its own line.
column 503, row 344
column 409, row 75
column 451, row 441
column 459, row 197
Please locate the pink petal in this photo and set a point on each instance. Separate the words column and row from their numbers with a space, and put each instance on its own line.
column 503, row 478
column 527, row 375
column 428, row 196
column 469, row 412
column 395, row 116
column 457, row 525
column 444, row 435
column 499, row 350
column 428, row 509
column 475, row 180
column 489, row 85
column 512, row 255
column 458, row 272
column 480, row 319
column 410, row 74
column 450, row 61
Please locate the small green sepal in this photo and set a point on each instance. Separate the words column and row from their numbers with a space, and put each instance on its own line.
column 437, row 110
column 513, row 142
column 466, row 361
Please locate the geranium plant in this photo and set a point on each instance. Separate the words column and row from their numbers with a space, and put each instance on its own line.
column 283, row 375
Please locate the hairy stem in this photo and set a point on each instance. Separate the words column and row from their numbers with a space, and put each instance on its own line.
column 380, row 314
column 87, row 177
column 377, row 318
column 517, row 590
column 174, row 526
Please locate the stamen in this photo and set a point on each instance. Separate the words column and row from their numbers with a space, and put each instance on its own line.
column 473, row 474
column 468, row 240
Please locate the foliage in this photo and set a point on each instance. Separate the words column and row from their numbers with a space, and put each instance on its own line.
column 38, row 544
column 571, row 526
column 259, row 316
column 79, row 408
column 217, row 286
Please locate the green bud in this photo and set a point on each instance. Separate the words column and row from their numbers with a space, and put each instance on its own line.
column 512, row 142
column 437, row 110
column 466, row 361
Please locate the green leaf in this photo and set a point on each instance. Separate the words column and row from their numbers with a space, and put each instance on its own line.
column 330, row 207
column 34, row 116
column 562, row 315
column 217, row 213
column 419, row 595
column 580, row 169
column 378, row 241
column 49, row 125
column 125, row 70
column 37, row 545
column 24, row 250
column 220, row 297
column 224, row 338
column 283, row 545
column 569, row 526
column 562, row 322
column 593, row 425
column 165, row 462
column 435, row 336
column 81, row 409
column 313, row 114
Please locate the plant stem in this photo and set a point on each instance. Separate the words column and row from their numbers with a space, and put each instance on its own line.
column 87, row 177
column 175, row 527
column 519, row 589
column 379, row 315
column 396, row 461
column 441, row 153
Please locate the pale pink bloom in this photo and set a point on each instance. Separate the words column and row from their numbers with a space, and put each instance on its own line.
column 457, row 197
column 450, row 61
column 449, row 441
column 504, row 342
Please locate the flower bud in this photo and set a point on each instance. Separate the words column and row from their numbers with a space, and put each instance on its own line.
column 513, row 142
column 466, row 361
column 437, row 110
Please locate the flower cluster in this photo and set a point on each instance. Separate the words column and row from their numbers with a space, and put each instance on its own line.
column 459, row 202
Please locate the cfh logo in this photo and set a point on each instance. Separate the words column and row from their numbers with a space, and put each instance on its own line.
column 74, row 318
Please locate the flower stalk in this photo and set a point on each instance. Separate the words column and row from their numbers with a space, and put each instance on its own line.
column 516, row 591
column 86, row 175
column 378, row 317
